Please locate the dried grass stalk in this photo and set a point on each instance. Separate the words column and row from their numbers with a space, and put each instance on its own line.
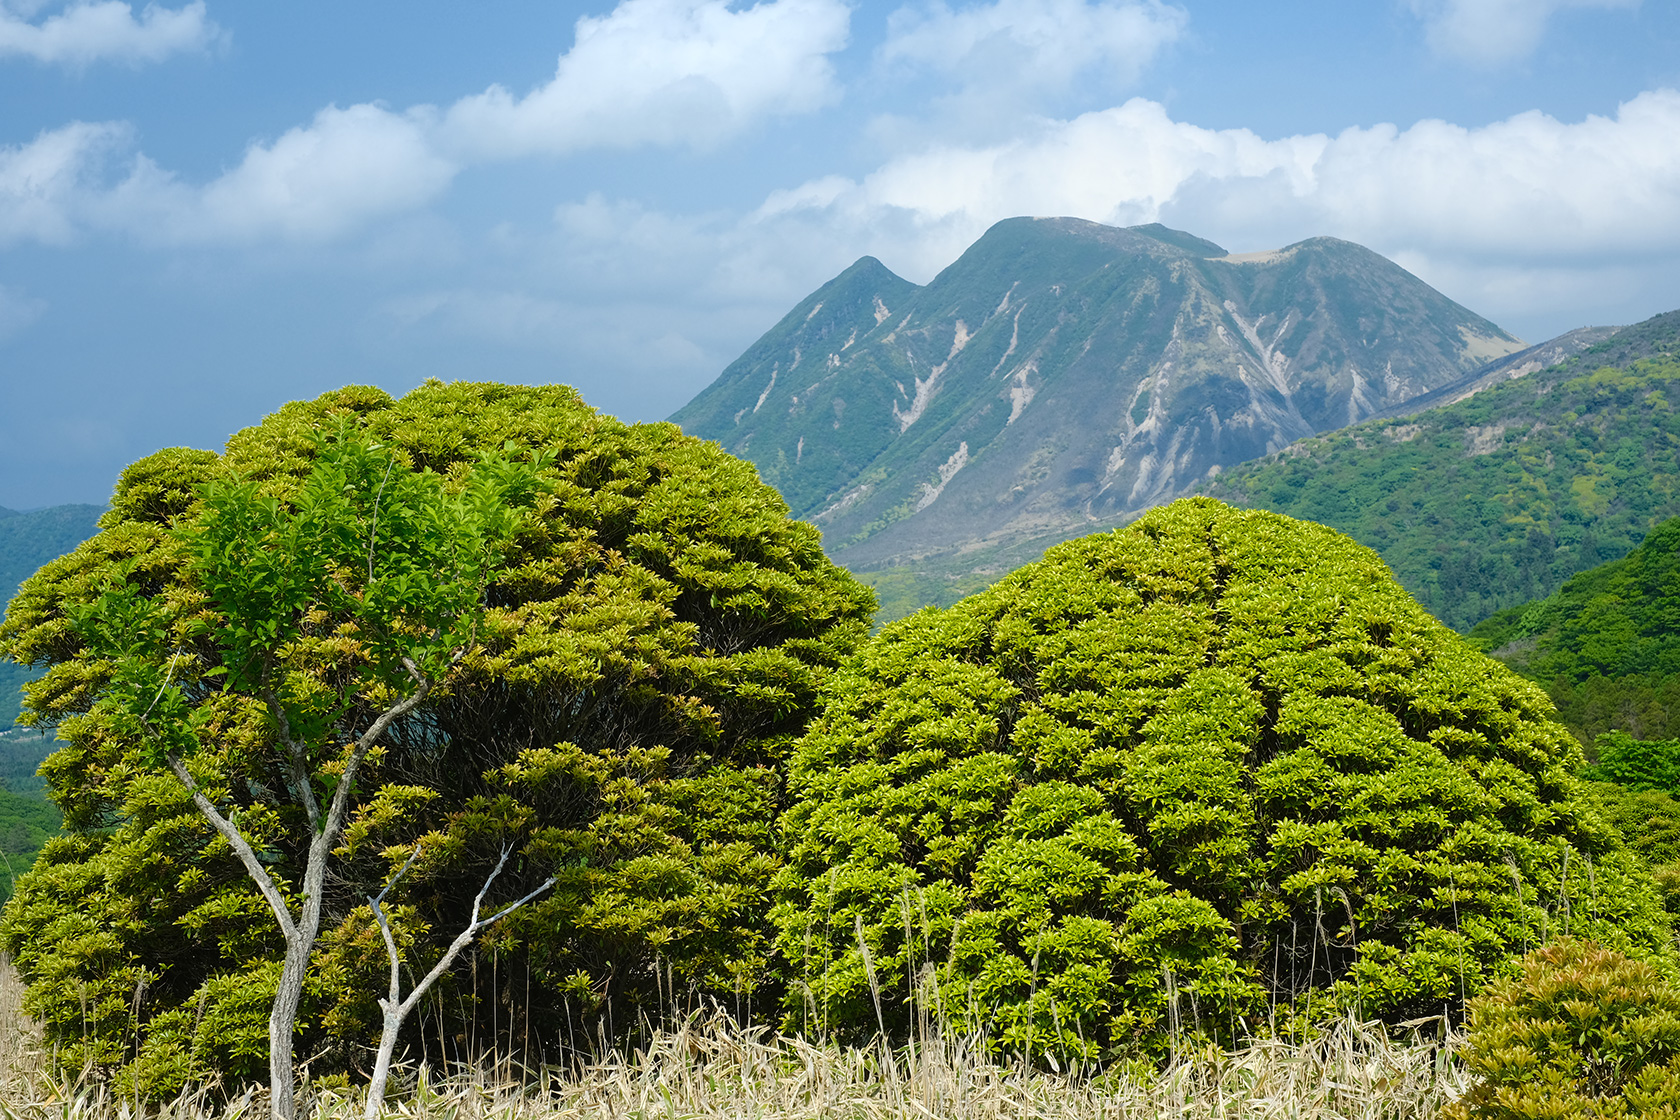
column 713, row 1070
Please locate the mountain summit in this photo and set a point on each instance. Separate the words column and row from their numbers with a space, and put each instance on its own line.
column 1063, row 374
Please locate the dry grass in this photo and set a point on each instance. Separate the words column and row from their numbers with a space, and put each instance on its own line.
column 713, row 1071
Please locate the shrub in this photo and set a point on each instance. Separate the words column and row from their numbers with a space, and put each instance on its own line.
column 1649, row 822
column 650, row 651
column 1582, row 1032
column 1637, row 764
column 1212, row 774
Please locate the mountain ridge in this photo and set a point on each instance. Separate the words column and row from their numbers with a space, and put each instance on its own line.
column 1062, row 374
column 1497, row 499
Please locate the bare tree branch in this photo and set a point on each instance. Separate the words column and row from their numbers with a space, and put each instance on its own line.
column 242, row 847
column 396, row 1008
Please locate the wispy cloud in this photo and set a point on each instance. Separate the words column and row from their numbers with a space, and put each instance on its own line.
column 1492, row 32
column 107, row 31
column 1039, row 43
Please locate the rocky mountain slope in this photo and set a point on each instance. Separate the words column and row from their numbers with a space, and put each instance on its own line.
column 1498, row 499
column 1063, row 375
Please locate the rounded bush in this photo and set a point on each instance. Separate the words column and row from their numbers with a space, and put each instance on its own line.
column 1212, row 774
column 650, row 650
column 1583, row 1031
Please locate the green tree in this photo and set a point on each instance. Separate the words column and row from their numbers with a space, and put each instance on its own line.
column 1212, row 774
column 342, row 609
column 652, row 644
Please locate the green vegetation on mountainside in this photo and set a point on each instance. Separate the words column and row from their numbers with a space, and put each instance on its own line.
column 1605, row 645
column 26, row 823
column 1497, row 500
column 1207, row 773
column 1062, row 375
column 28, row 540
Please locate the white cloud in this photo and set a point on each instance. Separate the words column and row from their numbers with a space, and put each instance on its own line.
column 1042, row 43
column 107, row 30
column 18, row 311
column 43, row 182
column 1489, row 32
column 669, row 72
column 346, row 168
column 1530, row 187
column 672, row 72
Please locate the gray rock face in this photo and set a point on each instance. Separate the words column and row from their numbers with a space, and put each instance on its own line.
column 1063, row 375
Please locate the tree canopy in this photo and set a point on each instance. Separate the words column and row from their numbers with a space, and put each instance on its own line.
column 649, row 647
column 1214, row 773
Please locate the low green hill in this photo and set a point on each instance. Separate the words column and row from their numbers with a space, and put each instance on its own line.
column 1497, row 500
column 28, row 540
column 1606, row 645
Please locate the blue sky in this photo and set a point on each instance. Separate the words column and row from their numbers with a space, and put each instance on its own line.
column 210, row 208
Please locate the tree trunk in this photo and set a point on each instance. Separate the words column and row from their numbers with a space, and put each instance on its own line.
column 282, row 1026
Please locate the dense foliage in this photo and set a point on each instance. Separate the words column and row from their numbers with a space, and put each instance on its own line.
column 1582, row 1032
column 1605, row 645
column 1649, row 822
column 653, row 643
column 1211, row 774
column 1497, row 500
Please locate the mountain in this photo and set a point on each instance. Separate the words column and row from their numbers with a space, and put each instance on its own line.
column 1605, row 645
column 1498, row 499
column 28, row 540
column 1062, row 375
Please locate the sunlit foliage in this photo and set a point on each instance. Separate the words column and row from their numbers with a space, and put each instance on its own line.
column 651, row 644
column 1212, row 774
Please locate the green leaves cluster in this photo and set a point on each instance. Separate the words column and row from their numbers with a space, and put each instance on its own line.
column 1583, row 1031
column 1208, row 775
column 650, row 636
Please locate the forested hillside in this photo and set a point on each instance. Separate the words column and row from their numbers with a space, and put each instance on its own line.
column 1606, row 645
column 1497, row 500
column 28, row 540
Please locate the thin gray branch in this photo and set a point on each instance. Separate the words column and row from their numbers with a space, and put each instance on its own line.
column 253, row 867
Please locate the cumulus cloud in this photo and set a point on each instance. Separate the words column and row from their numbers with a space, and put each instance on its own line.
column 346, row 167
column 1530, row 187
column 1032, row 42
column 1489, row 32
column 663, row 72
column 107, row 30
column 670, row 72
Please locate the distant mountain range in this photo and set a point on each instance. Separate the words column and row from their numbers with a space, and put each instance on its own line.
column 1062, row 376
column 1498, row 499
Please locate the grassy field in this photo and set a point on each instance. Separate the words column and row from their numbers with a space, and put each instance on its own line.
column 710, row 1071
